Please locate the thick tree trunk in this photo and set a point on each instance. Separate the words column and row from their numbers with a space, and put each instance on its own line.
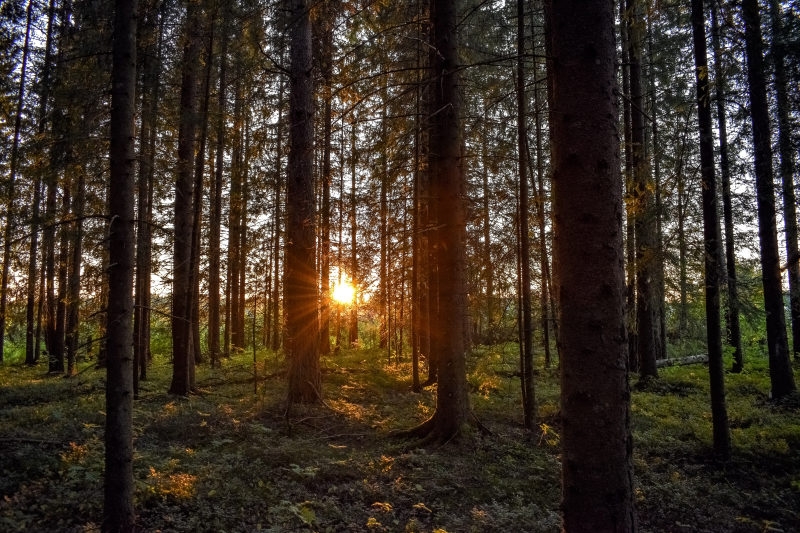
column 780, row 368
column 182, row 356
column 118, row 512
column 719, row 412
column 785, row 151
column 597, row 475
column 300, row 286
column 448, row 189
column 732, row 318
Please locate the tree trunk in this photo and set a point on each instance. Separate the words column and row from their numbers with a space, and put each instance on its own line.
column 734, row 330
column 644, row 219
column 59, row 351
column 719, row 412
column 300, row 286
column 786, row 170
column 327, row 21
column 216, row 200
column 780, row 368
column 630, row 194
column 182, row 357
column 11, row 183
column 353, row 329
column 118, row 512
column 234, row 221
column 448, row 188
column 276, row 324
column 32, row 337
column 74, row 283
column 597, row 475
column 197, row 200
column 528, row 398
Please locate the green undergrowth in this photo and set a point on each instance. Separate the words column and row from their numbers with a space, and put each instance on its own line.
column 229, row 458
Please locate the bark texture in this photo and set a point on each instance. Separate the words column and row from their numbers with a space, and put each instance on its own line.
column 589, row 279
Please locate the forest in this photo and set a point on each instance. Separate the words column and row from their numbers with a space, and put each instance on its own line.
column 427, row 266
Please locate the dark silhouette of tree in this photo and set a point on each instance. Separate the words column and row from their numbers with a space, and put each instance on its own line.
column 711, row 236
column 118, row 512
column 780, row 368
column 300, row 279
column 597, row 475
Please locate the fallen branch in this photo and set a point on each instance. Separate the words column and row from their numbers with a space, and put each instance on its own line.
column 681, row 361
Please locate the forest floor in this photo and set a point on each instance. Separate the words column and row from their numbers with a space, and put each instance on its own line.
column 227, row 459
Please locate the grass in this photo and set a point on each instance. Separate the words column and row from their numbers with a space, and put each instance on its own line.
column 227, row 459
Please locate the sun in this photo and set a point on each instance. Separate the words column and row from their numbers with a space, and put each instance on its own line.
column 343, row 292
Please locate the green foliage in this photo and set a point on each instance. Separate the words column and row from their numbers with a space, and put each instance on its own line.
column 228, row 460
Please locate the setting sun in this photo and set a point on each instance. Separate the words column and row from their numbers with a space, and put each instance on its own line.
column 343, row 292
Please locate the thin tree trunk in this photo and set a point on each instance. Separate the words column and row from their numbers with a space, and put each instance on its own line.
column 630, row 234
column 644, row 220
column 32, row 346
column 216, row 200
column 11, row 183
column 197, row 200
column 59, row 350
column 734, row 330
column 353, row 329
column 118, row 511
column 780, row 368
column 787, row 170
column 326, row 67
column 234, row 220
column 529, row 401
column 182, row 357
column 276, row 324
column 719, row 412
column 74, row 284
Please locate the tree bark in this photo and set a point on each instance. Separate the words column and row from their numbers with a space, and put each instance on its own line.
column 644, row 219
column 182, row 357
column 276, row 324
column 31, row 324
column 787, row 170
column 74, row 283
column 780, row 368
column 353, row 329
column 216, row 198
column 597, row 474
column 448, row 189
column 528, row 398
column 734, row 330
column 719, row 412
column 118, row 512
column 300, row 285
